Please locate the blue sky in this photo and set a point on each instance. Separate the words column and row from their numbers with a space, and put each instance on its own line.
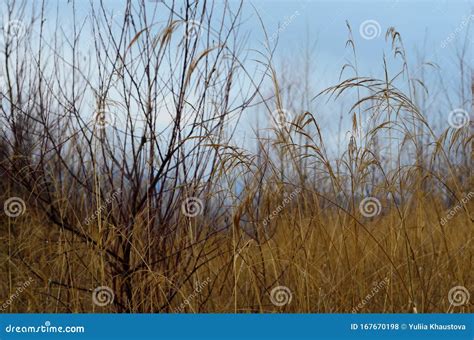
column 432, row 31
column 424, row 25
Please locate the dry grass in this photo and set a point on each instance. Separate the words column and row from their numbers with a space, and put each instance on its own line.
column 327, row 262
column 286, row 214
